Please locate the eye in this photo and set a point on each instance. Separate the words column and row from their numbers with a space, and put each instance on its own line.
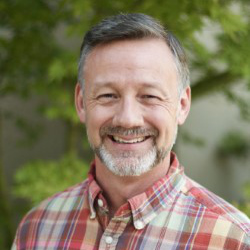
column 107, row 96
column 151, row 97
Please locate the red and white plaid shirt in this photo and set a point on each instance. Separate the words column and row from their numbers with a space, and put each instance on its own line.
column 175, row 213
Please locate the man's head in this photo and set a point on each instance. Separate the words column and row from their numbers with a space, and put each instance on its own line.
column 132, row 27
column 132, row 103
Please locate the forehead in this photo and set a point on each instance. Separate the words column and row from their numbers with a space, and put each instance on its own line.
column 131, row 60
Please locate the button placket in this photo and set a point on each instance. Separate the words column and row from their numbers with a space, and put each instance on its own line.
column 139, row 225
column 108, row 240
column 100, row 202
column 112, row 233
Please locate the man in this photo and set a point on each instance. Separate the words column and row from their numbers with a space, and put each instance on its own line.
column 132, row 93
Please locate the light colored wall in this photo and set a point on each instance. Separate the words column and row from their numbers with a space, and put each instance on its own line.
column 210, row 118
column 48, row 146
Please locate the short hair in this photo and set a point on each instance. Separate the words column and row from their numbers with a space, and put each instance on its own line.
column 128, row 27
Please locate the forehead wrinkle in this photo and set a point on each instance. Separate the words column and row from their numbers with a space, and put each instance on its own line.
column 142, row 75
column 128, row 67
column 120, row 82
column 105, row 53
column 126, row 72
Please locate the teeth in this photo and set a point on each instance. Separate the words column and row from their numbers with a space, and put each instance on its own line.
column 118, row 139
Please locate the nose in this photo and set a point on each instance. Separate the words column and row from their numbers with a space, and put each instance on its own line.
column 128, row 114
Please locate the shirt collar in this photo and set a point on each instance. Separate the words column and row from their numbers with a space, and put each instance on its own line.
column 147, row 205
column 94, row 190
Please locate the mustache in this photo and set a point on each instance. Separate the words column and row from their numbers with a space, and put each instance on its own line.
column 138, row 131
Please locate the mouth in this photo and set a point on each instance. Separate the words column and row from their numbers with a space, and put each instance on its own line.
column 121, row 140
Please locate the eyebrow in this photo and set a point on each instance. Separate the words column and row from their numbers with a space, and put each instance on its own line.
column 150, row 85
column 100, row 85
column 155, row 85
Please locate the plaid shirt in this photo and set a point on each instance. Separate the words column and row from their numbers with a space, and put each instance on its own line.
column 175, row 213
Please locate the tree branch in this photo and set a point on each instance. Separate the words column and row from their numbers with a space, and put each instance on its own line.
column 212, row 83
column 6, row 229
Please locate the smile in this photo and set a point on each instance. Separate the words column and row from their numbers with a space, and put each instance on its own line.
column 128, row 141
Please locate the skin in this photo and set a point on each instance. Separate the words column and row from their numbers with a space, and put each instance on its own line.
column 130, row 84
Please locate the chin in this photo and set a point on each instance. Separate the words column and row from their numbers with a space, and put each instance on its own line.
column 127, row 164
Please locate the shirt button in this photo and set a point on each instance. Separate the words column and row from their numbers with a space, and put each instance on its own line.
column 100, row 202
column 139, row 224
column 92, row 216
column 109, row 239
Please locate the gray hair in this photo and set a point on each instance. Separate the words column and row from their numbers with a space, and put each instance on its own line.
column 133, row 26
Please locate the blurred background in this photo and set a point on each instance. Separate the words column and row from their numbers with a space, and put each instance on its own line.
column 43, row 146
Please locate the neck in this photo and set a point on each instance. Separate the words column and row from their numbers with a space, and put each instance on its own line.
column 118, row 189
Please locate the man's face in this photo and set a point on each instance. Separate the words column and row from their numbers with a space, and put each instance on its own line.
column 131, row 104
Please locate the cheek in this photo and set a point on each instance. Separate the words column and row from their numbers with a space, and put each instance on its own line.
column 95, row 119
column 165, row 123
column 157, row 117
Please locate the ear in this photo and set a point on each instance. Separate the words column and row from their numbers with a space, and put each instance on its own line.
column 184, row 105
column 79, row 103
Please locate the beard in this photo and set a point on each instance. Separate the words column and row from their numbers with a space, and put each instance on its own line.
column 130, row 163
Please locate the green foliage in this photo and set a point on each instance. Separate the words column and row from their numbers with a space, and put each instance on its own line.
column 38, row 61
column 26, row 44
column 234, row 144
column 243, row 103
column 39, row 179
column 244, row 205
column 191, row 139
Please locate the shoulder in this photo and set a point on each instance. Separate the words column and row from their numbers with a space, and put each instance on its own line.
column 52, row 211
column 216, row 208
column 64, row 200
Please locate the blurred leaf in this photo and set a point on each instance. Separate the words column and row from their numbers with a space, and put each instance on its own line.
column 191, row 139
column 46, row 178
column 243, row 103
column 234, row 144
column 244, row 205
column 62, row 67
column 31, row 131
